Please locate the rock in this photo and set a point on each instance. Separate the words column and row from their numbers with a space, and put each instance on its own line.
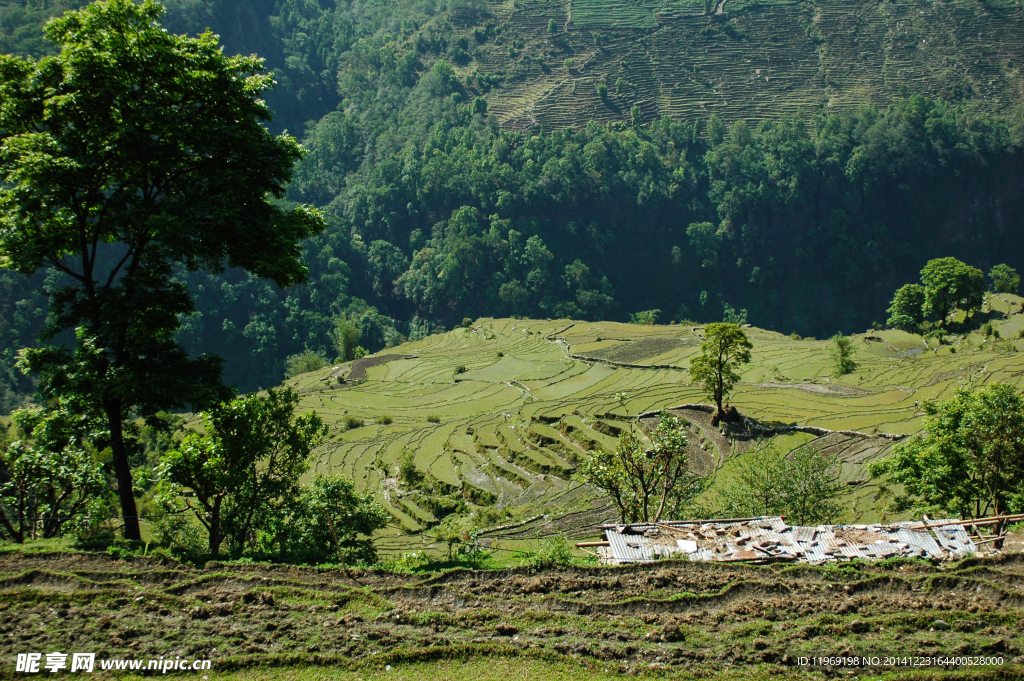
column 940, row 625
column 663, row 577
column 859, row 626
column 671, row 633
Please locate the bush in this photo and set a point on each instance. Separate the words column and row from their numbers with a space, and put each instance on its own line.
column 645, row 318
column 330, row 510
column 407, row 470
column 461, row 369
column 467, row 322
column 303, row 363
column 553, row 552
column 351, row 423
column 384, row 420
column 433, row 419
column 841, row 353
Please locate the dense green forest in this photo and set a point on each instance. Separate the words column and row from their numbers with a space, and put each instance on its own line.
column 809, row 223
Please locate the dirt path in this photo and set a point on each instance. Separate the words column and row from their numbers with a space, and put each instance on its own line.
column 637, row 618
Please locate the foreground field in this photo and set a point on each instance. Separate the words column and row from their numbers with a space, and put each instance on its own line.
column 504, row 410
column 677, row 619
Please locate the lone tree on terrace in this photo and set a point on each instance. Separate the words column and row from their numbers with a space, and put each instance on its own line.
column 647, row 483
column 725, row 347
column 950, row 284
column 129, row 154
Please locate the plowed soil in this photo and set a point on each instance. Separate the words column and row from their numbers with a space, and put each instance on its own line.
column 669, row 618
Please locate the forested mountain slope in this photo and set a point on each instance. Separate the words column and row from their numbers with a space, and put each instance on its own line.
column 591, row 160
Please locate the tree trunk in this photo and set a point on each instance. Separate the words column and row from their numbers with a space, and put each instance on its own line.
column 122, row 471
column 216, row 535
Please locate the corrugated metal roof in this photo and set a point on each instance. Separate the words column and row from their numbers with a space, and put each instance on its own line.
column 770, row 538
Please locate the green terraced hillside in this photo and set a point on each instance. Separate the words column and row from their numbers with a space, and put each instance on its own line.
column 505, row 409
column 749, row 59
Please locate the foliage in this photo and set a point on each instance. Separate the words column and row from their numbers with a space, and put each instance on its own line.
column 244, row 467
column 407, row 471
column 948, row 284
column 346, row 334
column 645, row 318
column 907, row 308
column 49, row 479
column 554, row 552
column 1004, row 279
column 129, row 152
column 303, row 363
column 398, row 156
column 455, row 530
column 325, row 511
column 841, row 353
column 725, row 347
column 646, row 484
column 968, row 460
column 352, row 422
column 802, row 485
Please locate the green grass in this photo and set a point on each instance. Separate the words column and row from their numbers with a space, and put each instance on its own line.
column 475, row 669
column 525, row 410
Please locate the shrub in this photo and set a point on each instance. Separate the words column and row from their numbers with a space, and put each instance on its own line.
column 461, row 369
column 553, row 552
column 842, row 355
column 351, row 422
column 384, row 420
column 303, row 363
column 407, row 470
column 467, row 322
column 500, row 354
column 433, row 418
column 645, row 318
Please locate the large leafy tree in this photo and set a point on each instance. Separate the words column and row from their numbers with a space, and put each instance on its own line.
column 132, row 152
column 949, row 284
column 1004, row 279
column 725, row 347
column 646, row 479
column 246, row 467
column 968, row 460
column 907, row 308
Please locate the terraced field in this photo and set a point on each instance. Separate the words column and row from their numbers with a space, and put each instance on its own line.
column 506, row 409
column 750, row 60
column 676, row 620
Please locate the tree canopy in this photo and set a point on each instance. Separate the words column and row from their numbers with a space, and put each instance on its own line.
column 950, row 284
column 968, row 460
column 246, row 467
column 130, row 152
column 647, row 478
column 724, row 349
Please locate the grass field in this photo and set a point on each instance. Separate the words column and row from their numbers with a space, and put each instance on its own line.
column 676, row 620
column 504, row 411
column 751, row 60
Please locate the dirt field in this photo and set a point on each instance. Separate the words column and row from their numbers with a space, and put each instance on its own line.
column 671, row 618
